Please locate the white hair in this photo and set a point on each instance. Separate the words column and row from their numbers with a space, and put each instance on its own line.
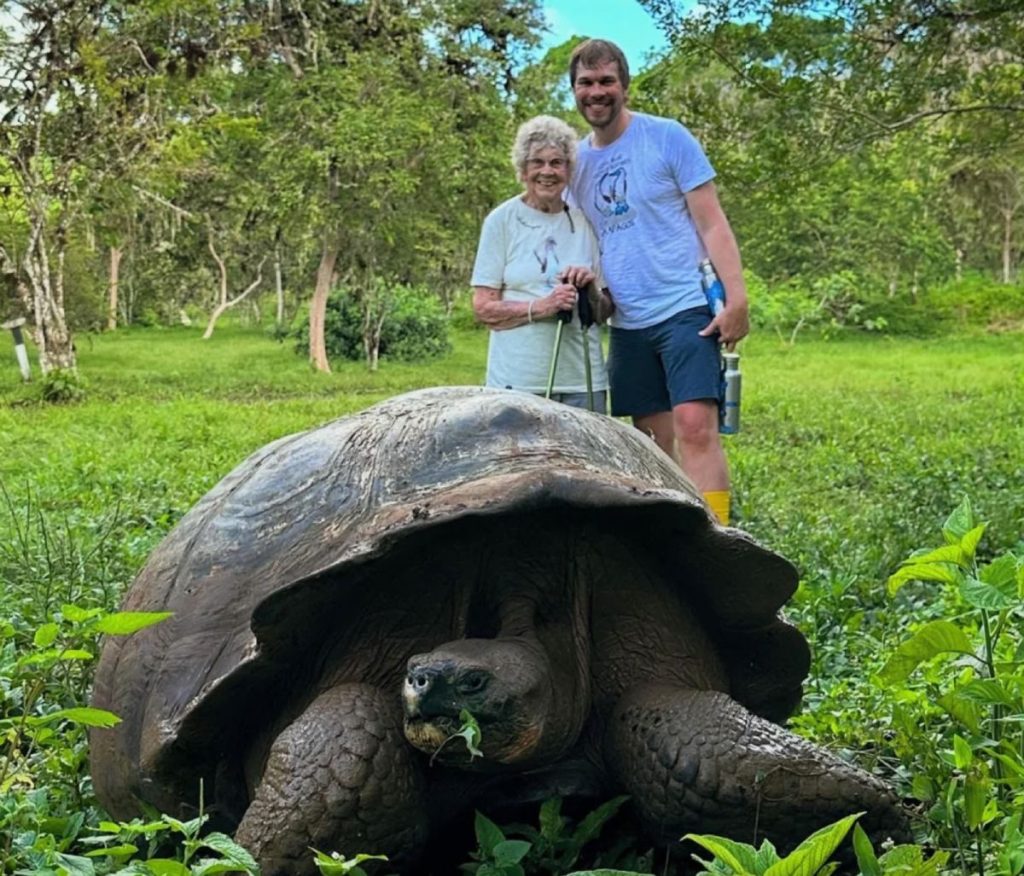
column 539, row 133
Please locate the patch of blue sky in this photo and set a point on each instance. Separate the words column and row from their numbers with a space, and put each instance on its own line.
column 625, row 22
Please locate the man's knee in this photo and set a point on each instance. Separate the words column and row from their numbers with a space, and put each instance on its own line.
column 696, row 423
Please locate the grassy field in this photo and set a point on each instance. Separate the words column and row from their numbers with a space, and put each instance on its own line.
column 852, row 454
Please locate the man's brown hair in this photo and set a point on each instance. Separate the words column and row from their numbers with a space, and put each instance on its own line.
column 590, row 53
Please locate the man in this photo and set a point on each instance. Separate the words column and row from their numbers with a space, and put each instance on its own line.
column 646, row 186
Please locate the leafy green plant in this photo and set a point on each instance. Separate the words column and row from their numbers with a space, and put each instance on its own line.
column 495, row 855
column 411, row 321
column 137, row 844
column 336, row 864
column 63, row 385
column 556, row 844
column 970, row 665
column 811, row 857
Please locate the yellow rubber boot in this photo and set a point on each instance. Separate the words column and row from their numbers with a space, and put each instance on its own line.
column 718, row 500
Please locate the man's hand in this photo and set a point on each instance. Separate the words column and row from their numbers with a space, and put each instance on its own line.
column 732, row 324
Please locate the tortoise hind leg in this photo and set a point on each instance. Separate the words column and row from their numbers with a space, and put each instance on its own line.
column 339, row 778
column 697, row 761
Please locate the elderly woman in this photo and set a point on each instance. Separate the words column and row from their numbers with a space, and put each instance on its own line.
column 534, row 252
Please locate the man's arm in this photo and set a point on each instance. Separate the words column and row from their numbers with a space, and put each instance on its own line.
column 733, row 323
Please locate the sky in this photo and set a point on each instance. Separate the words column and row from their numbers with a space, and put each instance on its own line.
column 623, row 21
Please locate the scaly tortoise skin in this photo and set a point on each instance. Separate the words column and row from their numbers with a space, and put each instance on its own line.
column 344, row 593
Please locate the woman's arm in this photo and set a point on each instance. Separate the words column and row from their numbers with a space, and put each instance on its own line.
column 498, row 315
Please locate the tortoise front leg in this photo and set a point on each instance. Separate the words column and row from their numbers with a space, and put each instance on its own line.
column 697, row 761
column 341, row 777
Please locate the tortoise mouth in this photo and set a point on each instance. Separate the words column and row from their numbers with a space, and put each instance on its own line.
column 440, row 738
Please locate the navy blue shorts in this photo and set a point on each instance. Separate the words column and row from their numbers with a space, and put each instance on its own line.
column 651, row 370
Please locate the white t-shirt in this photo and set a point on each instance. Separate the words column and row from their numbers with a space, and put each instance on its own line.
column 633, row 192
column 521, row 251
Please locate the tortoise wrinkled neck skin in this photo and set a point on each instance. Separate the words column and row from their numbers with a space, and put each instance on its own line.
column 528, row 688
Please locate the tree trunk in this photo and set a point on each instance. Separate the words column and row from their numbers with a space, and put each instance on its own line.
column 51, row 334
column 115, row 271
column 1007, row 247
column 318, row 307
column 225, row 302
column 279, row 286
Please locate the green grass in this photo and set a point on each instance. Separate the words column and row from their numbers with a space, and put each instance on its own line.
column 850, row 451
column 851, row 455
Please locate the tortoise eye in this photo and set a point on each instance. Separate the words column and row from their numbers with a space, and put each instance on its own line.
column 474, row 682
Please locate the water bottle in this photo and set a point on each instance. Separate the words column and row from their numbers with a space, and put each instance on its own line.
column 729, row 405
column 729, row 395
column 714, row 291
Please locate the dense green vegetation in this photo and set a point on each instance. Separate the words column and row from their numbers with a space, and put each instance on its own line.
column 318, row 172
column 852, row 455
column 870, row 155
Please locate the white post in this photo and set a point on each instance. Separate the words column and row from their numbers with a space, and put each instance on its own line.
column 14, row 325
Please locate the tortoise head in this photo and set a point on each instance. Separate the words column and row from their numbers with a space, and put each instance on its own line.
column 506, row 684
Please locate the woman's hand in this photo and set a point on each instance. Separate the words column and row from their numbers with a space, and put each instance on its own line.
column 577, row 275
column 562, row 297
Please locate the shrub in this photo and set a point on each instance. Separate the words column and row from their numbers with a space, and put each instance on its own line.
column 63, row 385
column 978, row 300
column 415, row 326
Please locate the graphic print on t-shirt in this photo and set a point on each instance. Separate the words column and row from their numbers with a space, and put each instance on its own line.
column 546, row 252
column 610, row 196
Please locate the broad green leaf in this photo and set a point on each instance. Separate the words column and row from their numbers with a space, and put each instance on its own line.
column 964, row 711
column 488, row 834
column 739, row 856
column 960, row 521
column 963, row 756
column 81, row 715
column 509, row 852
column 812, row 854
column 46, row 635
column 76, row 614
column 983, row 595
column 550, row 818
column 988, row 692
column 167, row 867
column 865, row 852
column 590, row 826
column 124, row 623
column 55, row 655
column 969, row 542
column 121, row 851
column 231, row 850
column 944, row 572
column 976, row 791
column 937, row 637
column 337, row 865
column 765, row 857
column 212, row 866
column 75, row 865
column 1012, row 763
column 606, row 873
column 470, row 732
column 948, row 553
column 923, row 788
column 1001, row 573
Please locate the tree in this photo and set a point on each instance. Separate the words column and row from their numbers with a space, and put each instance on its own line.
column 872, row 67
column 388, row 126
column 86, row 92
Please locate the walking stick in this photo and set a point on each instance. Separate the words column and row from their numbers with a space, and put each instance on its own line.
column 563, row 317
column 586, row 321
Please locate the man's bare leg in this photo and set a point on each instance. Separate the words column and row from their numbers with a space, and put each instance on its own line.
column 659, row 426
column 689, row 434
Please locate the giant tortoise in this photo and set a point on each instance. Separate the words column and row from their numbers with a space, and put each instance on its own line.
column 344, row 594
